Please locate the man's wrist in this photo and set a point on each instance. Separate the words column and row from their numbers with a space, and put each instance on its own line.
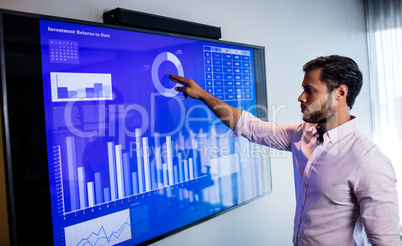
column 205, row 96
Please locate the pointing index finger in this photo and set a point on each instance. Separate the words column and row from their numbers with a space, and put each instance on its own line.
column 177, row 79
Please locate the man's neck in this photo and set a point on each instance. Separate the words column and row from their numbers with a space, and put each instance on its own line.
column 338, row 119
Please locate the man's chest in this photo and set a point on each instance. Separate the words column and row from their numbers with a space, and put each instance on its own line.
column 328, row 176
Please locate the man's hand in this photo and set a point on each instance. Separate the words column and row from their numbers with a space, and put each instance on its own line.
column 226, row 113
column 189, row 88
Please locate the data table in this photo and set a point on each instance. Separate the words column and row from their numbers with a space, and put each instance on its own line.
column 228, row 73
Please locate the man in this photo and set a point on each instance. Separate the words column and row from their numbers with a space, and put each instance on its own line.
column 344, row 182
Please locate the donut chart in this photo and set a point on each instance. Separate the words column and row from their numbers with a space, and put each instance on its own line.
column 162, row 57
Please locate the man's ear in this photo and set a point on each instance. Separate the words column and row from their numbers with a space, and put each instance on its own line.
column 342, row 92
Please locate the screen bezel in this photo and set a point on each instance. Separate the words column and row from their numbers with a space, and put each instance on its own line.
column 25, row 160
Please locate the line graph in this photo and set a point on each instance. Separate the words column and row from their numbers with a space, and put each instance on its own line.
column 101, row 236
column 106, row 230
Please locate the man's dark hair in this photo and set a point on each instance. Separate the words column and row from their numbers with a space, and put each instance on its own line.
column 336, row 71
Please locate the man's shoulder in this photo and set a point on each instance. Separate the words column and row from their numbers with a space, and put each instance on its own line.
column 363, row 146
column 363, row 141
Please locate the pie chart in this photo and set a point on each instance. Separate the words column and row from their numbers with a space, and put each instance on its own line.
column 163, row 57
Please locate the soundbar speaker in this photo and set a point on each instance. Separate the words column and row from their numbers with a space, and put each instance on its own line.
column 142, row 20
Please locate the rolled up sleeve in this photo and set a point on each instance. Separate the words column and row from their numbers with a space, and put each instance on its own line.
column 261, row 132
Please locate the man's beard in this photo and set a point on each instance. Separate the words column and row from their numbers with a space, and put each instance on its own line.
column 326, row 112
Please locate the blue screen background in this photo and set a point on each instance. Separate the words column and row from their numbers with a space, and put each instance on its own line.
column 128, row 160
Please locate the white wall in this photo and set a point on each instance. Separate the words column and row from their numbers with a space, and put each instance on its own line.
column 293, row 32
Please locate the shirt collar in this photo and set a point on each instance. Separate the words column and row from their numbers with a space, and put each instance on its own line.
column 339, row 132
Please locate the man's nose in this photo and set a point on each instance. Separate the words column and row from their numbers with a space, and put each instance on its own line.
column 302, row 98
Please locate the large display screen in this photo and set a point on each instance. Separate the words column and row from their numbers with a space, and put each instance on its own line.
column 129, row 159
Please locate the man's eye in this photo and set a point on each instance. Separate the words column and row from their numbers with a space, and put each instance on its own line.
column 308, row 90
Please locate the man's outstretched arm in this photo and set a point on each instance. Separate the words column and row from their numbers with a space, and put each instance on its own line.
column 226, row 113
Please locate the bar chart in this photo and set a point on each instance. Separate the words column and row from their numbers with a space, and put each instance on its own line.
column 150, row 168
column 80, row 86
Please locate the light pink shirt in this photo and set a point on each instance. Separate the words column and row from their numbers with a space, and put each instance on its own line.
column 342, row 184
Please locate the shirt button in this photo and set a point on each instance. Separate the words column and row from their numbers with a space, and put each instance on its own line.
column 304, row 185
